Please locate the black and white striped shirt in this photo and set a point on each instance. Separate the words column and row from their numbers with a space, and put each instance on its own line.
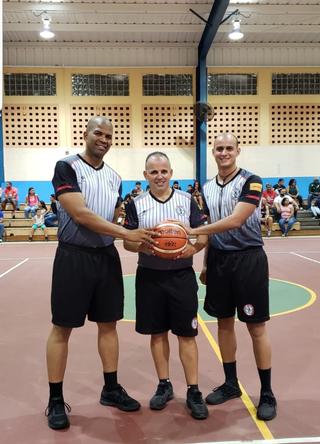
column 146, row 211
column 101, row 189
column 220, row 201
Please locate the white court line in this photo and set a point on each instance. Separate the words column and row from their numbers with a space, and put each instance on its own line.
column 268, row 441
column 305, row 257
column 12, row 268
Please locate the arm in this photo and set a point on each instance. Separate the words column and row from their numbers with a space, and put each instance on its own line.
column 240, row 214
column 75, row 206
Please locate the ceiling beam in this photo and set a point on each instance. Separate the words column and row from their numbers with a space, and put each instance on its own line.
column 156, row 8
column 170, row 29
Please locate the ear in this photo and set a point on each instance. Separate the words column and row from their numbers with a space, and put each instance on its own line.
column 145, row 175
column 238, row 150
column 85, row 135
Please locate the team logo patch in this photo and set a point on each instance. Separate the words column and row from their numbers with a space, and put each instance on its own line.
column 235, row 194
column 255, row 187
column 248, row 309
column 194, row 323
column 180, row 211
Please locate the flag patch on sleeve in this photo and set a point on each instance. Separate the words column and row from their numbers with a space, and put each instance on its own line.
column 255, row 186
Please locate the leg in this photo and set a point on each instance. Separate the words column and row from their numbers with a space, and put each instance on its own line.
column 262, row 352
column 160, row 351
column 57, row 353
column 27, row 212
column 31, row 233
column 188, row 352
column 291, row 222
column 227, row 339
column 282, row 225
column 45, row 231
column 108, row 346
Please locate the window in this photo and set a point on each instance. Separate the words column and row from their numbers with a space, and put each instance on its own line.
column 167, row 85
column 100, row 85
column 296, row 83
column 28, row 84
column 232, row 84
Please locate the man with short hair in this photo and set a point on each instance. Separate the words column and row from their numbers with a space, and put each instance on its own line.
column 10, row 196
column 279, row 185
column 87, row 276
column 235, row 270
column 313, row 190
column 166, row 289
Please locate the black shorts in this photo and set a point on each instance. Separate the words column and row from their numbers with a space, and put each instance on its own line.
column 238, row 280
column 86, row 281
column 166, row 300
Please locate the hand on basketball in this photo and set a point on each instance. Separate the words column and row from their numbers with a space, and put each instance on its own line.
column 142, row 235
column 188, row 251
column 146, row 249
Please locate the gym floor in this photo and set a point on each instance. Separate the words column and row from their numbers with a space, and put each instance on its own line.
column 25, row 275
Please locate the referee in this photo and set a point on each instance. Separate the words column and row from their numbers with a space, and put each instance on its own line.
column 87, row 276
column 236, row 270
column 166, row 290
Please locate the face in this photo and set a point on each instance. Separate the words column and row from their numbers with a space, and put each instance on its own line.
column 225, row 151
column 32, row 191
column 158, row 173
column 268, row 187
column 98, row 139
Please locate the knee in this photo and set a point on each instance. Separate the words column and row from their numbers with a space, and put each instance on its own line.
column 257, row 331
column 60, row 334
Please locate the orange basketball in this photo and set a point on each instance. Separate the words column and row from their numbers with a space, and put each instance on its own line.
column 172, row 240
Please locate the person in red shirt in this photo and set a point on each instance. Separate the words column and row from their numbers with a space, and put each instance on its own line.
column 269, row 194
column 10, row 196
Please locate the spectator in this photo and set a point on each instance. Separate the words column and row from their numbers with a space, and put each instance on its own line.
column 10, row 196
column 32, row 203
column 279, row 185
column 198, row 198
column 176, row 185
column 266, row 219
column 38, row 222
column 315, row 208
column 293, row 191
column 1, row 226
column 51, row 216
column 138, row 188
column 190, row 189
column 197, row 186
column 287, row 219
column 277, row 204
column 269, row 195
column 314, row 190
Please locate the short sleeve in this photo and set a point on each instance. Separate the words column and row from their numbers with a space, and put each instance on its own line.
column 252, row 191
column 64, row 179
column 131, row 221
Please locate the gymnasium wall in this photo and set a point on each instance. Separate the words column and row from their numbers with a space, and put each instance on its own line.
column 279, row 134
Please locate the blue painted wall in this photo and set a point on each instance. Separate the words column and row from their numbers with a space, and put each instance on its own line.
column 44, row 188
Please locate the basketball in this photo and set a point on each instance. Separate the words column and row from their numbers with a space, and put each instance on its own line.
column 172, row 240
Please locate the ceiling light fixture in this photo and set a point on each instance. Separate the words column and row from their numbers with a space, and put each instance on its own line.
column 236, row 33
column 46, row 33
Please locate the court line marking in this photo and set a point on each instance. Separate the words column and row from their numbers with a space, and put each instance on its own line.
column 268, row 441
column 304, row 257
column 261, row 425
column 13, row 268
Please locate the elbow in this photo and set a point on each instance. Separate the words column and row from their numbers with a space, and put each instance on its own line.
column 237, row 223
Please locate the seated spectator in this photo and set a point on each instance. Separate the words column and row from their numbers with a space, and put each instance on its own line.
column 38, row 222
column 32, row 203
column 315, row 208
column 10, row 195
column 266, row 219
column 198, row 198
column 313, row 190
column 176, row 185
column 190, row 189
column 287, row 219
column 197, row 186
column 1, row 226
column 51, row 214
column 269, row 195
column 138, row 188
column 293, row 191
column 122, row 213
column 279, row 186
column 277, row 204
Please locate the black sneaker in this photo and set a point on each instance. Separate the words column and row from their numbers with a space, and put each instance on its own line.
column 56, row 413
column 267, row 408
column 223, row 393
column 119, row 398
column 197, row 405
column 163, row 394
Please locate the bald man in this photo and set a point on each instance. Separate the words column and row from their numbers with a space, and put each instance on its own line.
column 236, row 270
column 87, row 275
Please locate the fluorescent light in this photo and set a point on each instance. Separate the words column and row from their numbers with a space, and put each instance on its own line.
column 236, row 33
column 46, row 33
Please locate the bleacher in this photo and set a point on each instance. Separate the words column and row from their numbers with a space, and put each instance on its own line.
column 18, row 229
column 306, row 225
